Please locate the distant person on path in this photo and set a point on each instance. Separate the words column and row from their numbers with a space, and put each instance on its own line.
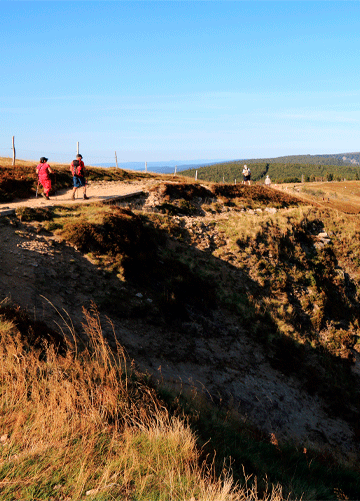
column 43, row 171
column 267, row 181
column 77, row 169
column 246, row 175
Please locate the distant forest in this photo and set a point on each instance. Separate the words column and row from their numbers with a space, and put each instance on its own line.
column 290, row 169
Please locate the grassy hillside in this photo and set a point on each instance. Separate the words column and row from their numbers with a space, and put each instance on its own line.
column 81, row 423
column 219, row 263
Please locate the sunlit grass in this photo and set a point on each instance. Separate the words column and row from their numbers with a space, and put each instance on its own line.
column 242, row 226
column 86, row 425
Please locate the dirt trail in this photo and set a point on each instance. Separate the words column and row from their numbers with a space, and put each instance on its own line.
column 96, row 191
column 53, row 281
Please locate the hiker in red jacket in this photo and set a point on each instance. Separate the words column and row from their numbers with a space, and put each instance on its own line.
column 77, row 169
column 43, row 171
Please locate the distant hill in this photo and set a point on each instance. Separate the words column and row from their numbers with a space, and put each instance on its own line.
column 329, row 159
column 294, row 168
column 167, row 167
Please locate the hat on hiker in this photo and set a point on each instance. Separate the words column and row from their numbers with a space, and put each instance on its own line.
column 43, row 160
column 78, row 155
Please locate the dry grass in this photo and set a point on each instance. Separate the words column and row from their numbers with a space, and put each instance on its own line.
column 343, row 196
column 304, row 289
column 86, row 425
column 244, row 226
column 7, row 162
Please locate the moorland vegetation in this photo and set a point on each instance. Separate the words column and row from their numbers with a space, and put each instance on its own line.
column 220, row 262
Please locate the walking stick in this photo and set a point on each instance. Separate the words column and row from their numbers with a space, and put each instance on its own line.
column 37, row 189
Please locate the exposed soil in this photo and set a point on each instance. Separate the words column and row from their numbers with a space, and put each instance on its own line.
column 53, row 281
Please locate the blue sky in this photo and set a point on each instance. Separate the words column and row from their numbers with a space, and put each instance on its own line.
column 168, row 80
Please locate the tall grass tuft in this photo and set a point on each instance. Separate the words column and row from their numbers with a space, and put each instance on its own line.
column 85, row 425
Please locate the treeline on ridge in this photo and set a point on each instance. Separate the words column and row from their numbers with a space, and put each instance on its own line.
column 295, row 168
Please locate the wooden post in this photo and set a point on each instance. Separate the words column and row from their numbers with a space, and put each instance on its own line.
column 196, row 175
column 175, row 170
column 145, row 166
column 235, row 182
column 13, row 148
column 77, row 148
column 116, row 160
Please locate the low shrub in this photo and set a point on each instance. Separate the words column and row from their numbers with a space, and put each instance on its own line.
column 182, row 208
column 186, row 191
column 255, row 193
column 28, row 214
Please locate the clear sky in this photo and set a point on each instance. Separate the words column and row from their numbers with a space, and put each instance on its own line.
column 168, row 80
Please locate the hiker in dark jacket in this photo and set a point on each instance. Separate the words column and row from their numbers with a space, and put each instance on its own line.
column 77, row 169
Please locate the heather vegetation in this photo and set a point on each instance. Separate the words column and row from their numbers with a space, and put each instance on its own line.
column 282, row 271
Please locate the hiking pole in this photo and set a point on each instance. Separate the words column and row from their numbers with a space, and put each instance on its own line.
column 37, row 188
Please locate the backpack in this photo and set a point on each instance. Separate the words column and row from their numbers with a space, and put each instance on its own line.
column 77, row 169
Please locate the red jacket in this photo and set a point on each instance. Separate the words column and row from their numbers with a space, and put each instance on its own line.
column 43, row 171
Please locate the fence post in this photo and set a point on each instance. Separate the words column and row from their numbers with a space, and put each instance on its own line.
column 175, row 170
column 196, row 175
column 77, row 148
column 145, row 166
column 116, row 160
column 13, row 148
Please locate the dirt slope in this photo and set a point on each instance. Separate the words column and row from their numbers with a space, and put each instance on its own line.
column 53, row 281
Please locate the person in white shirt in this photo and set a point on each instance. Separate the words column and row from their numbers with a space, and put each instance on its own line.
column 267, row 181
column 246, row 175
